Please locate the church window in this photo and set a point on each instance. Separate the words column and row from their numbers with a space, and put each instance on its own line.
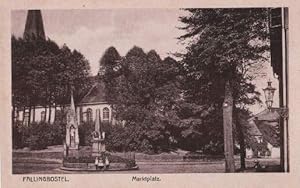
column 89, row 115
column 105, row 114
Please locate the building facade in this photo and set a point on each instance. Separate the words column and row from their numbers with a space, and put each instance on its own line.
column 85, row 109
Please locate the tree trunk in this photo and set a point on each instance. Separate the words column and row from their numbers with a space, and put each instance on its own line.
column 49, row 117
column 24, row 109
column 243, row 149
column 54, row 112
column 33, row 114
column 80, row 115
column 29, row 116
column 45, row 117
column 242, row 142
column 227, row 125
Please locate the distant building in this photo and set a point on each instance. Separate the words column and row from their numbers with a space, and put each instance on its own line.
column 263, row 135
column 93, row 100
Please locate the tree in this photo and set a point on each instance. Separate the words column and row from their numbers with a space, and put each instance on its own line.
column 42, row 74
column 144, row 95
column 224, row 46
column 110, row 57
column 30, row 62
column 72, row 70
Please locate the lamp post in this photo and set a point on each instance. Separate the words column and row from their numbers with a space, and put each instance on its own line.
column 283, row 112
column 269, row 94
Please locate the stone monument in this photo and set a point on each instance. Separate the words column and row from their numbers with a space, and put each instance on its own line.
column 72, row 137
column 98, row 137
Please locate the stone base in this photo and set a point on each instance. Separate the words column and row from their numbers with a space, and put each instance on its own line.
column 98, row 147
column 74, row 146
column 73, row 153
column 96, row 154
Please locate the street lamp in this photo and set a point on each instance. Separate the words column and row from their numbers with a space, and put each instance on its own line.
column 269, row 94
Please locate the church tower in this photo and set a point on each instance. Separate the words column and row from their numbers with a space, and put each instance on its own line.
column 34, row 27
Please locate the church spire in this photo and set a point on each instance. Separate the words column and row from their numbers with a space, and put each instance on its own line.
column 34, row 27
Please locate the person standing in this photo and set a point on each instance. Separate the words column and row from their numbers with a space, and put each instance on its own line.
column 97, row 163
column 100, row 164
column 106, row 163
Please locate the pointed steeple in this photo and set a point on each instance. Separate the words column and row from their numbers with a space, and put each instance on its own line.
column 34, row 27
column 72, row 135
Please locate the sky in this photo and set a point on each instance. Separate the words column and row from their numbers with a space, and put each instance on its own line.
column 93, row 31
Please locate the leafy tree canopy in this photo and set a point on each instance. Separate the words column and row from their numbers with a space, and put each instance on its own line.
column 43, row 73
column 144, row 95
column 224, row 45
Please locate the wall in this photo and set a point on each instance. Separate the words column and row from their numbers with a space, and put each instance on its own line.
column 38, row 110
column 84, row 108
column 275, row 151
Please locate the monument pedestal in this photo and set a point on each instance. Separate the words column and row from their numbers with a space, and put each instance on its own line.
column 98, row 147
column 70, row 151
column 73, row 152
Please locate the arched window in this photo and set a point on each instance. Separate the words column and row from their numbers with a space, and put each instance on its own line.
column 89, row 115
column 43, row 116
column 105, row 114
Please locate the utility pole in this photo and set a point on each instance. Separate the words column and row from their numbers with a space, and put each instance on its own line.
column 227, row 125
column 279, row 62
column 284, row 115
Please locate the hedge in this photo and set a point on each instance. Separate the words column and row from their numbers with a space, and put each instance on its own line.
column 91, row 159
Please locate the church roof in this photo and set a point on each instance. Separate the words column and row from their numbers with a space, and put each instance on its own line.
column 96, row 94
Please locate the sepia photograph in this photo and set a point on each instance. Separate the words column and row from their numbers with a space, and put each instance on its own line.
column 150, row 90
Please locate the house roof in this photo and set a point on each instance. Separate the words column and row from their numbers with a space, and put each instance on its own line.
column 265, row 124
column 267, row 115
column 270, row 132
column 252, row 129
column 96, row 94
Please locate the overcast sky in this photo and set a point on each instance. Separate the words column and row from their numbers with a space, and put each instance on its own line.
column 92, row 31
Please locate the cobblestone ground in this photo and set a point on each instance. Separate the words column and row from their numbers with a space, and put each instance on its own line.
column 49, row 161
column 144, row 167
column 29, row 168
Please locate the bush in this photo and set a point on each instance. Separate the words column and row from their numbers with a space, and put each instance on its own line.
column 57, row 133
column 135, row 138
column 116, row 139
column 19, row 134
column 91, row 159
column 85, row 130
column 38, row 136
column 115, row 135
